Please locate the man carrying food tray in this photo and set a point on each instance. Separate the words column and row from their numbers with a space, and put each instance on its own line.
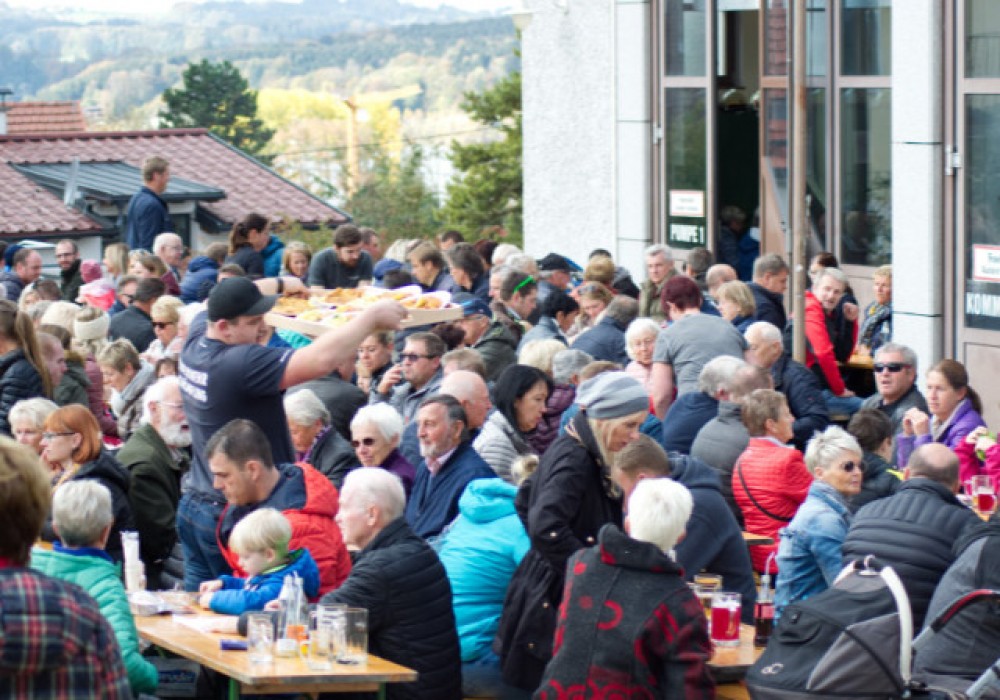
column 224, row 374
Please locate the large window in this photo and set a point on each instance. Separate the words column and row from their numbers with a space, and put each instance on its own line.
column 982, row 209
column 982, row 39
column 866, row 46
column 686, row 175
column 686, row 35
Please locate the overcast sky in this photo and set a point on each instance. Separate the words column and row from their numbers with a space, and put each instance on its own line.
column 132, row 7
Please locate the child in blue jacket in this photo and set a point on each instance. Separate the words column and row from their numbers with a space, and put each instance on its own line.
column 261, row 541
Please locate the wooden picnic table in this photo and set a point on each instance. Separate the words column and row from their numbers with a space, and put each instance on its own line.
column 729, row 664
column 284, row 675
column 753, row 539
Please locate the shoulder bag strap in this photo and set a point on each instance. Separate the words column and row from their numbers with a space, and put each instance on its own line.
column 758, row 506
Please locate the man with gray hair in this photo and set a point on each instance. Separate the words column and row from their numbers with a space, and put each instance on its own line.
column 659, row 268
column 801, row 388
column 691, row 411
column 895, row 380
column 770, row 281
column 914, row 530
column 169, row 248
column 155, row 458
column 567, row 364
column 606, row 340
column 399, row 579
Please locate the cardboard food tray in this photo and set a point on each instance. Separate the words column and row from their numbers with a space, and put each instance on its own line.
column 417, row 317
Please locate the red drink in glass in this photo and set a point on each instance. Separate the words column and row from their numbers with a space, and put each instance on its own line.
column 725, row 622
column 985, row 502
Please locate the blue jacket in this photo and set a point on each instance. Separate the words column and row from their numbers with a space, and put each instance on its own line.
column 202, row 274
column 272, row 255
column 810, row 552
column 714, row 541
column 238, row 595
column 434, row 500
column 804, row 394
column 686, row 416
column 605, row 341
column 480, row 552
column 545, row 329
column 770, row 306
column 147, row 218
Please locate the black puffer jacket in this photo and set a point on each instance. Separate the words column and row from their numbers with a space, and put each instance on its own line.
column 108, row 471
column 19, row 380
column 73, row 386
column 804, row 394
column 563, row 506
column 913, row 531
column 401, row 582
column 881, row 480
column 334, row 457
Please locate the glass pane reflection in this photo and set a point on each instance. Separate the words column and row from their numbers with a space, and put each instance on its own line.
column 865, row 177
column 685, row 155
column 866, row 32
column 685, row 40
column 982, row 39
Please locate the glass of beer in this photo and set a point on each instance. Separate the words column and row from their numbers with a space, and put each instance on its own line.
column 706, row 586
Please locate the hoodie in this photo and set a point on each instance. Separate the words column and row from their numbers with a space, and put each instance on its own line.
column 202, row 274
column 714, row 541
column 240, row 595
column 480, row 552
column 272, row 254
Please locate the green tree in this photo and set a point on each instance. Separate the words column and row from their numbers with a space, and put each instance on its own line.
column 488, row 192
column 216, row 96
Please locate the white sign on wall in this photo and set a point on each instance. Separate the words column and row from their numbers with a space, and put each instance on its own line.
column 687, row 203
column 986, row 263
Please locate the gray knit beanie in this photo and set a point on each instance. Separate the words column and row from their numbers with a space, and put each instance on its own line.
column 612, row 395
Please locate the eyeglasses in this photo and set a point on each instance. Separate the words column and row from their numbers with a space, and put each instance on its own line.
column 49, row 436
column 171, row 405
column 850, row 466
column 162, row 324
column 891, row 366
column 367, row 442
column 413, row 357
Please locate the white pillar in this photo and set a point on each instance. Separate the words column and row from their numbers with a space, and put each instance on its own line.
column 918, row 178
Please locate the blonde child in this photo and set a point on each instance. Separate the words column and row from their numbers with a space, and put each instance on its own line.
column 261, row 541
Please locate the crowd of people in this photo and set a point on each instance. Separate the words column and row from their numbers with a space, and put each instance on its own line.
column 488, row 488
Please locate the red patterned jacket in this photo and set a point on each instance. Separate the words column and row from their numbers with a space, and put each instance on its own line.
column 629, row 627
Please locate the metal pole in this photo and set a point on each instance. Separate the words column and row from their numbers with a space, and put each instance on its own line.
column 797, row 203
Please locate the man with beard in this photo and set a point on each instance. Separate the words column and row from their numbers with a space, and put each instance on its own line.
column 449, row 463
column 156, row 458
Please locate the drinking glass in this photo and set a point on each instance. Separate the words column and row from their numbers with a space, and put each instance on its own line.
column 984, row 496
column 355, row 648
column 260, row 639
column 705, row 586
column 725, row 623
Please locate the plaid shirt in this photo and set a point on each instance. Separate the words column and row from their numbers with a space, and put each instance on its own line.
column 54, row 642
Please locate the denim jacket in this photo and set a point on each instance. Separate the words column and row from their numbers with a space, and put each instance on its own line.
column 809, row 554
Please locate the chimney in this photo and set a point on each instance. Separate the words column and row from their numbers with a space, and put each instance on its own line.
column 4, row 93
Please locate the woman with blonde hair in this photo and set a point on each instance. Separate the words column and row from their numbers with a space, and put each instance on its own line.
column 295, row 260
column 128, row 377
column 736, row 304
column 23, row 374
column 116, row 260
column 72, row 447
column 569, row 498
column 147, row 265
column 166, row 322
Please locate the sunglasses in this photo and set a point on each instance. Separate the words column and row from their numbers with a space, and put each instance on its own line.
column 367, row 442
column 162, row 324
column 891, row 366
column 851, row 466
column 413, row 357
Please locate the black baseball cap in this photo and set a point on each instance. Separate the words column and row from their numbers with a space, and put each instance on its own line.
column 553, row 262
column 237, row 296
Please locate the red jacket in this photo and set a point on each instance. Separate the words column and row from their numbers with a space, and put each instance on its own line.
column 778, row 480
column 820, row 347
column 313, row 525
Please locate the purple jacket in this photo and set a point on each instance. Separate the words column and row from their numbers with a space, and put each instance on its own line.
column 395, row 463
column 548, row 428
column 964, row 422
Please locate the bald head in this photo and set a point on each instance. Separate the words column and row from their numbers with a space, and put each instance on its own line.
column 718, row 275
column 470, row 390
column 936, row 462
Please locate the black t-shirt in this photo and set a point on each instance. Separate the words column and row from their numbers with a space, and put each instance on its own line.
column 328, row 272
column 222, row 382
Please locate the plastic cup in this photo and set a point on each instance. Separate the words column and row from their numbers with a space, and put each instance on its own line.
column 260, row 639
column 725, row 621
column 355, row 648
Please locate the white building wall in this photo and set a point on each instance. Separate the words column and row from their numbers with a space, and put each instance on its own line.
column 585, row 74
column 918, row 180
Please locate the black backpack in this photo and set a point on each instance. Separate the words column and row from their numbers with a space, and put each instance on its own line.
column 850, row 641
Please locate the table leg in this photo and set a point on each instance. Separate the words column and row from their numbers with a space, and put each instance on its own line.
column 234, row 689
column 381, row 691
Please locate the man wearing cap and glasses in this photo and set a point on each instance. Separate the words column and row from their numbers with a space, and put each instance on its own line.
column 489, row 338
column 895, row 376
column 555, row 271
column 224, row 374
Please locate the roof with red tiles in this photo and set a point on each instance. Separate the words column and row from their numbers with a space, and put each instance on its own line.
column 195, row 154
column 44, row 118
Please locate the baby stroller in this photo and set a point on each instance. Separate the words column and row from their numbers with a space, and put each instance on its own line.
column 853, row 640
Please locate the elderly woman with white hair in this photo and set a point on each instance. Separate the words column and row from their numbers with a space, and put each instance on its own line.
column 375, row 434
column 27, row 421
column 656, row 642
column 640, row 340
column 567, row 501
column 82, row 517
column 315, row 440
column 810, row 552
